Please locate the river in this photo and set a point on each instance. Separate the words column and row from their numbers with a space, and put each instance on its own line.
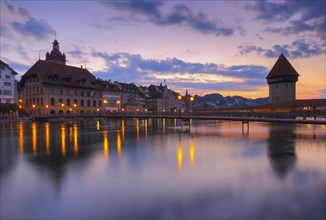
column 162, row 169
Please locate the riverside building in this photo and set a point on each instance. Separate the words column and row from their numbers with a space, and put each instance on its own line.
column 8, row 84
column 52, row 87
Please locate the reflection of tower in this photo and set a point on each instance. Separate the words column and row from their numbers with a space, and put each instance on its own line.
column 281, row 148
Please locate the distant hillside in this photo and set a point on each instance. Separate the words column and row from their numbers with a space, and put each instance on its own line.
column 217, row 100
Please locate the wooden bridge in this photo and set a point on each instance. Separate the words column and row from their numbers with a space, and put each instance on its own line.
column 245, row 117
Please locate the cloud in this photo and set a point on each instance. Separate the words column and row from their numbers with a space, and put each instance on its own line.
column 178, row 73
column 23, row 22
column 179, row 15
column 298, row 16
column 297, row 49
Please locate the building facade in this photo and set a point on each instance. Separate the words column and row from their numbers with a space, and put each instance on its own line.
column 282, row 81
column 8, row 84
column 111, row 97
column 52, row 87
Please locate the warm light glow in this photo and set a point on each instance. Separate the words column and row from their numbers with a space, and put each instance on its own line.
column 75, row 105
column 70, row 109
column 47, row 137
column 97, row 109
column 137, row 109
column 118, row 102
column 105, row 101
column 21, row 137
column 123, row 129
column 33, row 105
column 62, row 105
column 34, row 138
column 105, row 144
column 119, row 145
column 180, row 156
column 146, row 129
column 46, row 106
column 63, row 140
column 191, row 98
column 123, row 109
column 192, row 152
column 137, row 129
column 20, row 106
column 75, row 139
column 179, row 97
column 20, row 100
column 163, row 124
column 98, row 125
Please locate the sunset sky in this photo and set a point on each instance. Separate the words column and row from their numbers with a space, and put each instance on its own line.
column 226, row 47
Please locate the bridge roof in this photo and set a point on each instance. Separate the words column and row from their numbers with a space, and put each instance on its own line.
column 282, row 67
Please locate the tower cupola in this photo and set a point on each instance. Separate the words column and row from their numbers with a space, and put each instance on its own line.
column 55, row 55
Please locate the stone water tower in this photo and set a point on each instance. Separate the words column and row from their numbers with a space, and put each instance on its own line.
column 282, row 81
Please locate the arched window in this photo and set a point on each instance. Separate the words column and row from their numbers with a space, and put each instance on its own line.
column 94, row 103
column 52, row 101
column 88, row 102
column 82, row 102
column 68, row 102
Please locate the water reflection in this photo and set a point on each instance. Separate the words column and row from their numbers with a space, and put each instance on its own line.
column 21, row 137
column 63, row 140
column 47, row 137
column 105, row 144
column 281, row 148
column 192, row 151
column 75, row 139
column 119, row 144
column 34, row 138
column 203, row 173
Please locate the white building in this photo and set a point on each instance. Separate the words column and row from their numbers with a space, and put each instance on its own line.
column 8, row 84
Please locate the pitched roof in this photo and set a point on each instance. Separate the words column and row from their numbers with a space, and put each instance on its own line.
column 7, row 66
column 282, row 67
column 56, row 73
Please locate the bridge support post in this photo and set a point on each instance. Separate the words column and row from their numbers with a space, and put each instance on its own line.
column 243, row 123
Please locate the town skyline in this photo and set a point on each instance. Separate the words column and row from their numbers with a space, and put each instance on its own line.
column 183, row 43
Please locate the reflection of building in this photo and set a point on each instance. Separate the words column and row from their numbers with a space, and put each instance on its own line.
column 282, row 81
column 50, row 86
column 8, row 85
column 281, row 148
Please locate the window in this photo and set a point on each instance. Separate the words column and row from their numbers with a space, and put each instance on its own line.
column 88, row 94
column 41, row 101
column 82, row 93
column 75, row 101
column 82, row 102
column 100, row 103
column 37, row 101
column 88, row 102
column 68, row 102
column 94, row 103
column 7, row 83
column 26, row 100
column 52, row 101
column 7, row 77
column 7, row 92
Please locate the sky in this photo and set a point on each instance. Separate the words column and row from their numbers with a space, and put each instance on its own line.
column 204, row 46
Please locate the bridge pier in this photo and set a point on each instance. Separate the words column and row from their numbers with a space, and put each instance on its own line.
column 243, row 124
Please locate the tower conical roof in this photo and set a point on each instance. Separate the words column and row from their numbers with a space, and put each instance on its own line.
column 281, row 68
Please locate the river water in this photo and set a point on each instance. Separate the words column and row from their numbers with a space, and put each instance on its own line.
column 162, row 169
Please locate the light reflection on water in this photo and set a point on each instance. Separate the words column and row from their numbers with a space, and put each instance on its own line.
column 162, row 169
